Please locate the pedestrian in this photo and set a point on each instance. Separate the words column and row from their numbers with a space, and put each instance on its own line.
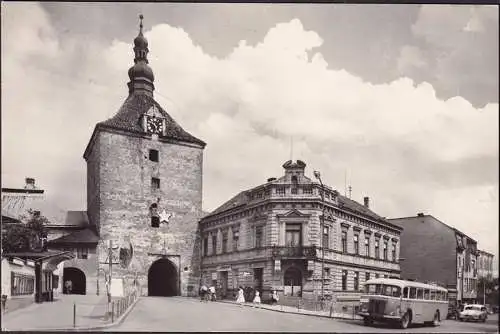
column 203, row 293
column 256, row 299
column 241, row 297
column 213, row 297
column 274, row 298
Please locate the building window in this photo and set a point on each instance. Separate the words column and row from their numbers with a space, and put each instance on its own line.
column 294, row 191
column 82, row 253
column 356, row 281
column 307, row 190
column 367, row 246
column 326, row 237
column 224, row 241
column 394, row 252
column 153, row 212
column 214, row 244
column 385, row 250
column 153, row 155
column 356, row 244
column 236, row 238
column 258, row 236
column 205, row 246
column 377, row 249
column 21, row 284
column 367, row 276
column 344, row 241
column 293, row 235
column 377, row 275
column 344, row 280
column 280, row 191
column 155, row 183
column 327, row 272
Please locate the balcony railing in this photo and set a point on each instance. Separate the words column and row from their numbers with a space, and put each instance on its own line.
column 294, row 252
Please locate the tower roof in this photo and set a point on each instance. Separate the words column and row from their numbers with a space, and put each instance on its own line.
column 140, row 74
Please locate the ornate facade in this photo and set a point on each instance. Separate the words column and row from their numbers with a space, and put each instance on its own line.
column 299, row 238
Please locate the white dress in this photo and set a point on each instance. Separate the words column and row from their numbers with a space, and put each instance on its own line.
column 241, row 297
column 256, row 299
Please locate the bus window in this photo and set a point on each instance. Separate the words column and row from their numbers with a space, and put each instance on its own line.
column 405, row 292
column 439, row 295
column 420, row 294
column 413, row 293
column 445, row 296
column 432, row 295
column 426, row 294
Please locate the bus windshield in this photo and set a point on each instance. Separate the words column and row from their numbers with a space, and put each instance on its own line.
column 383, row 289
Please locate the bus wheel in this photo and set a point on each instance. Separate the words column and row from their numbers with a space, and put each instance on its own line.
column 367, row 321
column 405, row 321
column 437, row 321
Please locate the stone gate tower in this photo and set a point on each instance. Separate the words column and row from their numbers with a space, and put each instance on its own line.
column 144, row 189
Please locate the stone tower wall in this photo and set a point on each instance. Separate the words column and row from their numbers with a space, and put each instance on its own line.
column 125, row 194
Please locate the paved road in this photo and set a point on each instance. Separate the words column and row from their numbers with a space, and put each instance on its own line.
column 183, row 315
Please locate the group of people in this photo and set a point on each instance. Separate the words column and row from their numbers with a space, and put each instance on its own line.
column 240, row 298
column 207, row 293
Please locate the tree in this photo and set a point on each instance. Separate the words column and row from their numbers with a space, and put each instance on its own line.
column 25, row 237
column 488, row 286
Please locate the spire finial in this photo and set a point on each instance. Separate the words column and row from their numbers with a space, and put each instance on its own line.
column 140, row 24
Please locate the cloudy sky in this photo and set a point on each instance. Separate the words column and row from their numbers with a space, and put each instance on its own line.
column 402, row 98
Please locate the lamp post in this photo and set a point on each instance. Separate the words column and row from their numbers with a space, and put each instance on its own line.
column 322, row 223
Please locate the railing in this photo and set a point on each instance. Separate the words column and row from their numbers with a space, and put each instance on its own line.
column 121, row 305
column 297, row 251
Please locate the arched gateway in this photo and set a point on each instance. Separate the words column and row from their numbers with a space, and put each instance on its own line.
column 163, row 279
column 78, row 285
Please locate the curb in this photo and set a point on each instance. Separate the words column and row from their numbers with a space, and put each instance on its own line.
column 290, row 312
column 118, row 321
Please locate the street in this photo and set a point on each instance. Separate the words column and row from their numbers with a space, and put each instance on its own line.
column 177, row 314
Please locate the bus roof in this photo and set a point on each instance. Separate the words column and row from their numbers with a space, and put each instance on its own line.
column 402, row 283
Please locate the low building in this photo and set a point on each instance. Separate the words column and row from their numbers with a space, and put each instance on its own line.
column 438, row 253
column 297, row 237
column 78, row 236
column 485, row 265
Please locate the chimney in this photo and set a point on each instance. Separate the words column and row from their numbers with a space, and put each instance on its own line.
column 367, row 202
column 30, row 183
column 271, row 179
column 420, row 214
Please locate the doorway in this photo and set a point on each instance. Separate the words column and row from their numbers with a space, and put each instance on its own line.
column 258, row 274
column 293, row 282
column 223, row 284
column 163, row 279
column 74, row 281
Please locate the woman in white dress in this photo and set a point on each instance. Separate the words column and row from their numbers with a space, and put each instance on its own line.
column 241, row 297
column 256, row 299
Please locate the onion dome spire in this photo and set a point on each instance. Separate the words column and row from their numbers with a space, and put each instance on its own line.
column 141, row 75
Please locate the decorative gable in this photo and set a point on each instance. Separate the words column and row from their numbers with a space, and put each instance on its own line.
column 294, row 213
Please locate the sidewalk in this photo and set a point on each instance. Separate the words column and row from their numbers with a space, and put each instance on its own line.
column 59, row 314
column 295, row 310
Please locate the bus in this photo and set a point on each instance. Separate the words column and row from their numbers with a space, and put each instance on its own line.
column 402, row 302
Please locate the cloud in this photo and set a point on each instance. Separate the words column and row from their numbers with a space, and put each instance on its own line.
column 397, row 140
column 459, row 47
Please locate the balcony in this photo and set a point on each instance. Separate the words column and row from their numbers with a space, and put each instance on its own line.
column 300, row 252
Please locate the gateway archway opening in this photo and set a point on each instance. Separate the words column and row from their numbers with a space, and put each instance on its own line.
column 293, row 282
column 74, row 281
column 163, row 279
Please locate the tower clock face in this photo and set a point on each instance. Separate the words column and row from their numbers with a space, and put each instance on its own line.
column 154, row 125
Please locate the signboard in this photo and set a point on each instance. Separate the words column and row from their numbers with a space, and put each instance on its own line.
column 224, row 268
column 214, row 276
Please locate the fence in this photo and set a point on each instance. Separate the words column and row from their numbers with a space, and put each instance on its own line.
column 333, row 309
column 100, row 312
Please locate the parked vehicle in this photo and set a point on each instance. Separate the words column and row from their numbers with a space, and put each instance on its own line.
column 403, row 302
column 475, row 312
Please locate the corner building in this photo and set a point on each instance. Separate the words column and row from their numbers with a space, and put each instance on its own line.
column 144, row 190
column 275, row 237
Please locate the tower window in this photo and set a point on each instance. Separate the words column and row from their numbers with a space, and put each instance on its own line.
column 153, row 155
column 155, row 183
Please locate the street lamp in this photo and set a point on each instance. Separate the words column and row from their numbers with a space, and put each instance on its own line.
column 322, row 223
